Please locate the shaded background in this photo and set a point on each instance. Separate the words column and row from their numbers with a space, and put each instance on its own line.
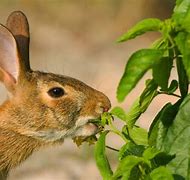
column 77, row 38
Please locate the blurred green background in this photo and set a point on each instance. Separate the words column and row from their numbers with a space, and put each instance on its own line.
column 77, row 38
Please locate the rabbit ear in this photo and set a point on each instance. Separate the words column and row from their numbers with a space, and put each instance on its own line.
column 10, row 67
column 17, row 23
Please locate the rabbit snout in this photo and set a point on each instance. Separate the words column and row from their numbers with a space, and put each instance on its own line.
column 95, row 105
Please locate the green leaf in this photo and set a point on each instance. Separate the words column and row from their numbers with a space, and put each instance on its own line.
column 134, row 113
column 162, row 159
column 125, row 166
column 159, row 158
column 148, row 94
column 136, row 173
column 161, row 173
column 181, row 14
column 173, row 87
column 130, row 149
column 161, row 72
column 183, row 64
column 142, row 27
column 119, row 112
column 139, row 135
column 141, row 104
column 154, row 128
column 101, row 159
column 136, row 67
column 177, row 141
column 159, row 127
column 150, row 153
column 106, row 118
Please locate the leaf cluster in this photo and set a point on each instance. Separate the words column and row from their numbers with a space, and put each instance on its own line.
column 162, row 152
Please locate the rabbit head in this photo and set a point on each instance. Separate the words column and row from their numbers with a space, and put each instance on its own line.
column 44, row 106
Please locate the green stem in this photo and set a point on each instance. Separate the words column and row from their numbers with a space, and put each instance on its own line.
column 141, row 170
column 111, row 148
column 116, row 131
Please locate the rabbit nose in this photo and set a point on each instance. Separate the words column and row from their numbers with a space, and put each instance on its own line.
column 103, row 106
column 105, row 109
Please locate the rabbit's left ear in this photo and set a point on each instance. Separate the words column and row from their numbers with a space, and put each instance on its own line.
column 17, row 23
column 14, row 50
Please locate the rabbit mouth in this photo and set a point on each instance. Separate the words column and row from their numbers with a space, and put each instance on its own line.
column 86, row 126
column 87, row 129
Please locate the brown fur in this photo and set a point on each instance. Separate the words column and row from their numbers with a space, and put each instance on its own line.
column 31, row 118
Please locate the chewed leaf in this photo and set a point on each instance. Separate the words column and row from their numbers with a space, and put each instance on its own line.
column 136, row 67
column 151, row 24
column 79, row 140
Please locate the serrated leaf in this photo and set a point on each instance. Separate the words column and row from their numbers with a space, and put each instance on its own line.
column 148, row 94
column 119, row 112
column 150, row 153
column 101, row 158
column 136, row 67
column 165, row 64
column 135, row 173
column 162, row 159
column 130, row 149
column 154, row 128
column 159, row 127
column 139, row 135
column 161, row 173
column 151, row 24
column 141, row 104
column 177, row 141
column 125, row 166
column 181, row 14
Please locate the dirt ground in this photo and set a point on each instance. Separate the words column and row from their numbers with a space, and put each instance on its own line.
column 77, row 38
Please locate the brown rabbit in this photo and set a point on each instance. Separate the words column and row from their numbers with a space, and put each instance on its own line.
column 42, row 108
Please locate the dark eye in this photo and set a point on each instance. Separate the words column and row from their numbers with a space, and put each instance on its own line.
column 56, row 92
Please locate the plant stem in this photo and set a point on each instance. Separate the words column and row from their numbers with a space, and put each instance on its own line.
column 111, row 148
column 116, row 131
column 172, row 94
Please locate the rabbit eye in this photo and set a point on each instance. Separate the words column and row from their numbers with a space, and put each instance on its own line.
column 56, row 92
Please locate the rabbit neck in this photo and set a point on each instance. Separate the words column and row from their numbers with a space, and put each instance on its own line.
column 14, row 147
column 3, row 174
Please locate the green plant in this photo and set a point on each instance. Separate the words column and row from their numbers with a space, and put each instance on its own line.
column 164, row 151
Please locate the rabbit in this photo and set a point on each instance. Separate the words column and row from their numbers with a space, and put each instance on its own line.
column 42, row 108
